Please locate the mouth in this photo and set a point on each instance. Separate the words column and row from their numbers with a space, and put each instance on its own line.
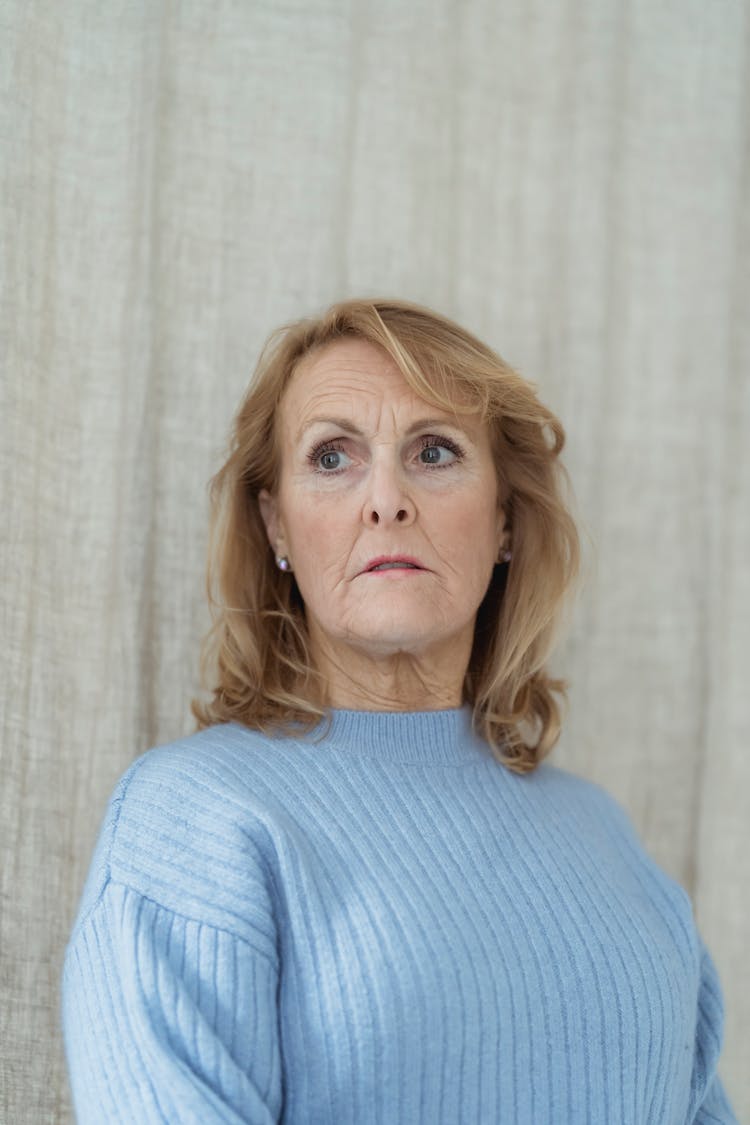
column 393, row 564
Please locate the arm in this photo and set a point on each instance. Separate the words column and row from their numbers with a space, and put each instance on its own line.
column 708, row 1100
column 168, row 1019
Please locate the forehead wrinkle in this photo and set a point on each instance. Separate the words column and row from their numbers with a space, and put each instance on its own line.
column 335, row 404
column 348, row 426
column 349, row 400
column 345, row 386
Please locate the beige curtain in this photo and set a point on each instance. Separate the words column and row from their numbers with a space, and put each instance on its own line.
column 570, row 180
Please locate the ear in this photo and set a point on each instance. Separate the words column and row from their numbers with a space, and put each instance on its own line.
column 269, row 510
column 503, row 533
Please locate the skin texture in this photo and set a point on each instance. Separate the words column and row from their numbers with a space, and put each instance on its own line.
column 399, row 640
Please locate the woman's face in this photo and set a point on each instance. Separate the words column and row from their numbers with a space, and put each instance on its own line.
column 370, row 471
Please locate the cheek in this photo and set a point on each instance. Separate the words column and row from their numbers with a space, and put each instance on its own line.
column 467, row 533
column 320, row 532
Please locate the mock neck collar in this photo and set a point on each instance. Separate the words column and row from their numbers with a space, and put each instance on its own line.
column 440, row 737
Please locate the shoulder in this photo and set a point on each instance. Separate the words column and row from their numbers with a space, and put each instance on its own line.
column 193, row 774
column 188, row 825
column 221, row 771
column 180, row 786
column 604, row 825
column 579, row 797
column 590, row 809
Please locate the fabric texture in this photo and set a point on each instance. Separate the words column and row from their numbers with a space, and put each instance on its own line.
column 379, row 922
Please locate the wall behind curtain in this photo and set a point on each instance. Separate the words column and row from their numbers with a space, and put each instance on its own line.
column 570, row 180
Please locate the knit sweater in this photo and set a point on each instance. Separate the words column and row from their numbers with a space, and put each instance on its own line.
column 383, row 925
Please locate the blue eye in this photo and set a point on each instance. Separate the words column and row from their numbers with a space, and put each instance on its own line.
column 326, row 457
column 432, row 450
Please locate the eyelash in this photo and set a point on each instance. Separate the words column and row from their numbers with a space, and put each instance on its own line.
column 431, row 440
column 318, row 450
column 426, row 442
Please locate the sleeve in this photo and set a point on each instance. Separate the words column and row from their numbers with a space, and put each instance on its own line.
column 168, row 1019
column 708, row 1101
column 708, row 1098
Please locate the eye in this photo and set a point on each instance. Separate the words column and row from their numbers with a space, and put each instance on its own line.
column 439, row 452
column 330, row 459
column 326, row 457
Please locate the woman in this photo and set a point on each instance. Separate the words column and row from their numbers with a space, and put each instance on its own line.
column 357, row 892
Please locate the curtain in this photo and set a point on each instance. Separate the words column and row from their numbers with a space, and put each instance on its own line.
column 570, row 181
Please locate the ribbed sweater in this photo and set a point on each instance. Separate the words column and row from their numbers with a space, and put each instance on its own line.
column 383, row 925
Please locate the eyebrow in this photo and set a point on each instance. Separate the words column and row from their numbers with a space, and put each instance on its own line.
column 350, row 428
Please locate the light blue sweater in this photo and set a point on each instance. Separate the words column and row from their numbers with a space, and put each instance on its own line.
column 386, row 926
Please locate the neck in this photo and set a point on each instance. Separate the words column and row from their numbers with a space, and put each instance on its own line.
column 360, row 680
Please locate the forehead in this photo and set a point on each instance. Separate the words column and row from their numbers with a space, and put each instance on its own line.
column 343, row 366
column 353, row 377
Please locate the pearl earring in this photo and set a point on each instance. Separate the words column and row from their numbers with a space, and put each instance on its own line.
column 282, row 562
column 505, row 556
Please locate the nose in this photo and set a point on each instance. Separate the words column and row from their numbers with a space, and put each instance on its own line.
column 388, row 500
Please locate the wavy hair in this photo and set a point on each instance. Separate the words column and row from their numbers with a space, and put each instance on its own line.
column 256, row 653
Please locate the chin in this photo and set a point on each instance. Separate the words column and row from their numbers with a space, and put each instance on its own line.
column 388, row 642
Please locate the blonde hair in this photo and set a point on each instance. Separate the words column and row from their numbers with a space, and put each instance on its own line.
column 263, row 673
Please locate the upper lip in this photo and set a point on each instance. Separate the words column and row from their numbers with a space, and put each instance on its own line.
column 391, row 559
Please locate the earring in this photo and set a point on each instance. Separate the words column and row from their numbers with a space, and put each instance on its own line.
column 505, row 556
column 282, row 562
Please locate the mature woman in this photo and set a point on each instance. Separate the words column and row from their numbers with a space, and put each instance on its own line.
column 357, row 892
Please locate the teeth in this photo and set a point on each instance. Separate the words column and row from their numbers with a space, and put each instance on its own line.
column 391, row 565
